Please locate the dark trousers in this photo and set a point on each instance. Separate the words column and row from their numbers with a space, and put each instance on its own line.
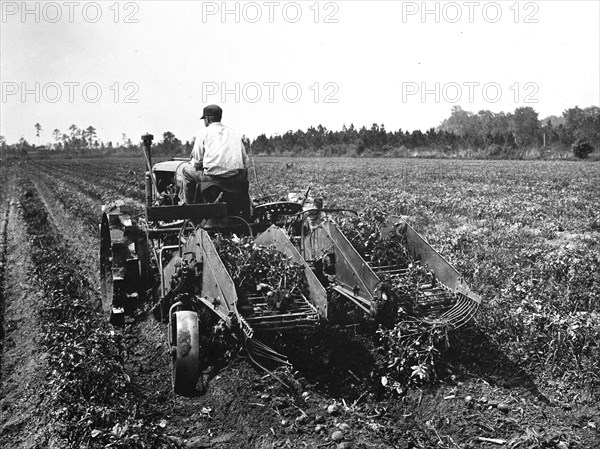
column 191, row 189
column 201, row 188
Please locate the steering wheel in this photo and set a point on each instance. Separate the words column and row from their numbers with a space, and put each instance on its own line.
column 275, row 210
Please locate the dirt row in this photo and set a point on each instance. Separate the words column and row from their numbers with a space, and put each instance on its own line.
column 82, row 240
column 23, row 360
column 63, row 378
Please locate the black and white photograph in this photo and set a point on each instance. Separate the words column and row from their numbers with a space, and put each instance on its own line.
column 303, row 224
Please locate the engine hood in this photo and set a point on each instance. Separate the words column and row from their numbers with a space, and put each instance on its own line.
column 169, row 166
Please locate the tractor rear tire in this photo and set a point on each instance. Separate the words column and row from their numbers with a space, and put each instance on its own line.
column 106, row 275
column 185, row 351
column 125, row 271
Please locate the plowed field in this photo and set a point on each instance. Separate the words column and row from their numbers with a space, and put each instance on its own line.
column 524, row 373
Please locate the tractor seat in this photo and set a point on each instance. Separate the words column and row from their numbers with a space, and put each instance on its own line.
column 237, row 204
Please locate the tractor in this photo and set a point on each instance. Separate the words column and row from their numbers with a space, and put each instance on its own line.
column 163, row 255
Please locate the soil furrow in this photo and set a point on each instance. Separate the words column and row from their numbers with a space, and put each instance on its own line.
column 24, row 361
column 87, row 393
column 3, row 237
column 81, row 240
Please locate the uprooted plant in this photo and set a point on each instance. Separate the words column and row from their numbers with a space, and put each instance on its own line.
column 261, row 269
column 409, row 341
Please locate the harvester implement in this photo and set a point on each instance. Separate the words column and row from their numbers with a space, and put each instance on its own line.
column 163, row 257
column 447, row 294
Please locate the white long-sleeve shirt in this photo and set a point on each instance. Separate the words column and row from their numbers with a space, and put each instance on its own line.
column 220, row 150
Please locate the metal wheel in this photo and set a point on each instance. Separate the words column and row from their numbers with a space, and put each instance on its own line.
column 121, row 283
column 185, row 347
column 106, row 276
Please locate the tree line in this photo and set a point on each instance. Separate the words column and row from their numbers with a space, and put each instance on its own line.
column 84, row 141
column 486, row 133
column 481, row 134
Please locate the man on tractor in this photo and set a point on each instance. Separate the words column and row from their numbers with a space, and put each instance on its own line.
column 218, row 168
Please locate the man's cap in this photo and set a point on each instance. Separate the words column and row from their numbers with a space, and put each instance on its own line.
column 212, row 110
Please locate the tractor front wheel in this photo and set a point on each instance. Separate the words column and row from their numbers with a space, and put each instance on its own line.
column 185, row 349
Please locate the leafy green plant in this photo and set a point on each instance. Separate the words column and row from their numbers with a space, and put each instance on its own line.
column 261, row 269
column 408, row 342
column 411, row 351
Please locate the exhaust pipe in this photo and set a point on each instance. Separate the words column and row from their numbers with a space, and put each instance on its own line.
column 149, row 179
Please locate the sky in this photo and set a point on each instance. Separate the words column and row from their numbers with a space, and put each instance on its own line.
column 274, row 66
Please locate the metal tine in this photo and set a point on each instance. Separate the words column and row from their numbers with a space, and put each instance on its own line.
column 309, row 304
column 471, row 306
column 432, row 288
column 270, row 318
column 432, row 297
column 274, row 359
column 266, row 355
column 292, row 325
column 265, row 350
column 465, row 318
column 297, row 303
column 260, row 344
column 394, row 265
column 285, row 324
column 462, row 314
column 280, row 360
column 390, row 271
column 457, row 311
column 270, row 354
column 299, row 309
column 436, row 297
